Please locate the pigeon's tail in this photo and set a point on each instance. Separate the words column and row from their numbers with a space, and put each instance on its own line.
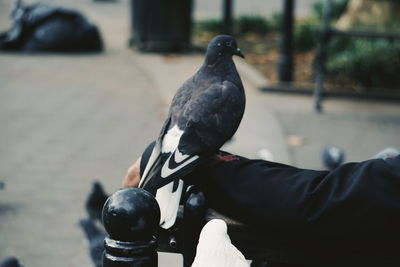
column 161, row 178
column 168, row 198
column 168, row 190
column 90, row 229
column 166, row 169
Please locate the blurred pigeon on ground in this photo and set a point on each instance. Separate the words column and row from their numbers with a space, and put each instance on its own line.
column 10, row 262
column 95, row 201
column 215, row 248
column 332, row 157
column 205, row 112
column 95, row 237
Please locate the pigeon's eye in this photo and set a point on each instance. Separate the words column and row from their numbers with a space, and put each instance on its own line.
column 230, row 43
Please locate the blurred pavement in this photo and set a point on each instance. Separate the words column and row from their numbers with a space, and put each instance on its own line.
column 67, row 120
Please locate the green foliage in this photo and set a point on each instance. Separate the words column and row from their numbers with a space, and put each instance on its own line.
column 275, row 21
column 306, row 35
column 251, row 24
column 307, row 31
column 242, row 25
column 338, row 7
column 209, row 25
column 372, row 63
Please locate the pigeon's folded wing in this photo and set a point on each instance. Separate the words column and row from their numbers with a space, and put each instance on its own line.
column 211, row 118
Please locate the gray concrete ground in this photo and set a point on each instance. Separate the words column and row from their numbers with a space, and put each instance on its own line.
column 67, row 120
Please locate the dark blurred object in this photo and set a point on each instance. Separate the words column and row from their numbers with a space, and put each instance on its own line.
column 95, row 236
column 2, row 185
column 131, row 217
column 10, row 262
column 227, row 16
column 161, row 25
column 40, row 27
column 285, row 62
column 332, row 157
column 95, row 201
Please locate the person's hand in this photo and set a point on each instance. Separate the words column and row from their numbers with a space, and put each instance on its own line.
column 132, row 177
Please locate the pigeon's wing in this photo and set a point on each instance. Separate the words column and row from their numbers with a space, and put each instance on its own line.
column 211, row 118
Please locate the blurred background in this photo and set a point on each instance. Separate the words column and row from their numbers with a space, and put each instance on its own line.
column 316, row 74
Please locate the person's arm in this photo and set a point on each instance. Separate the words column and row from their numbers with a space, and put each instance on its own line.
column 132, row 177
column 356, row 200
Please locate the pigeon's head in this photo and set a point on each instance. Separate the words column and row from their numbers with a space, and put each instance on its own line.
column 223, row 45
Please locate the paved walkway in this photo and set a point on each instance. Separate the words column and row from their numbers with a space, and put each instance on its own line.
column 67, row 120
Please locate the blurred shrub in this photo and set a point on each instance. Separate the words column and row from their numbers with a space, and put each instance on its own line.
column 242, row 25
column 306, row 35
column 275, row 21
column 251, row 24
column 372, row 63
column 307, row 30
column 209, row 25
column 338, row 7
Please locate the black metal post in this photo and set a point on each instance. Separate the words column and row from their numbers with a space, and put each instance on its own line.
column 320, row 57
column 130, row 217
column 193, row 221
column 285, row 62
column 227, row 17
column 161, row 25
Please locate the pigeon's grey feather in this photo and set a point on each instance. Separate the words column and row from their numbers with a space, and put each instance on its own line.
column 204, row 113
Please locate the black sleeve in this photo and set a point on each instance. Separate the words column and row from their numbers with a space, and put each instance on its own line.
column 355, row 200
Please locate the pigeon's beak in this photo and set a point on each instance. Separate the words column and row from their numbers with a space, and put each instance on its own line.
column 239, row 53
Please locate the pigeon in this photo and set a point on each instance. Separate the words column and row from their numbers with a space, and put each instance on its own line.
column 95, row 201
column 215, row 248
column 332, row 157
column 95, row 237
column 10, row 262
column 204, row 113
